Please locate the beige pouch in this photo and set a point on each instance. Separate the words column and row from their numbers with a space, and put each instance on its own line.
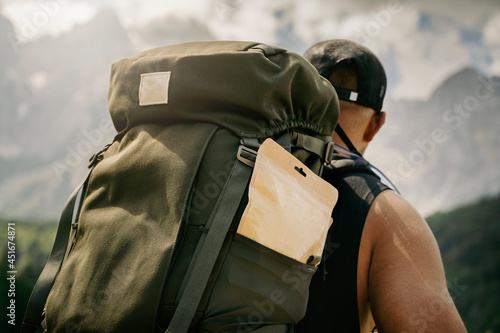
column 289, row 207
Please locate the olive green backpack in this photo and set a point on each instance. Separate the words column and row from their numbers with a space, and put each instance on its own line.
column 147, row 243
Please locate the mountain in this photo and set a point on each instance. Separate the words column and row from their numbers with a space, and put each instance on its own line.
column 54, row 115
column 69, row 79
column 442, row 152
column 14, row 92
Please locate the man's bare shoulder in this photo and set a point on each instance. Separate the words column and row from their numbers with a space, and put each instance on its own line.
column 406, row 281
column 393, row 217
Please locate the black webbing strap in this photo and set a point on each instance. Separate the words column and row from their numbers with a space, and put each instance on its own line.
column 346, row 140
column 284, row 140
column 34, row 310
column 219, row 224
column 311, row 144
column 321, row 148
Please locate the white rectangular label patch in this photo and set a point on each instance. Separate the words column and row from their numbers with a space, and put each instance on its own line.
column 153, row 88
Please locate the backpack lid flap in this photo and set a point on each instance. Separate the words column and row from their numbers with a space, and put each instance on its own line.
column 252, row 89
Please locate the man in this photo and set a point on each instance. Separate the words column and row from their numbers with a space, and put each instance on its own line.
column 382, row 265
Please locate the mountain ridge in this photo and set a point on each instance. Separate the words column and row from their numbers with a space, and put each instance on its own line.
column 61, row 108
column 442, row 151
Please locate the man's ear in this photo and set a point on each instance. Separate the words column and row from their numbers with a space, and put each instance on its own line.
column 376, row 122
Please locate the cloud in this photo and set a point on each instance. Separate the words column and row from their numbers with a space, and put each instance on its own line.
column 423, row 57
column 140, row 12
column 420, row 42
column 35, row 19
column 491, row 31
column 494, row 68
column 491, row 37
column 419, row 58
column 245, row 20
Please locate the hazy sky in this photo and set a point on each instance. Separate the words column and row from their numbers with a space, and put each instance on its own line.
column 419, row 42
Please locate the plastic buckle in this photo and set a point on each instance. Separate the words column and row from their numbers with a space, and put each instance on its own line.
column 247, row 155
column 329, row 150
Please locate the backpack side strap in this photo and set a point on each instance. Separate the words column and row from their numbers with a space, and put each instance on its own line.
column 35, row 308
column 318, row 147
column 212, row 241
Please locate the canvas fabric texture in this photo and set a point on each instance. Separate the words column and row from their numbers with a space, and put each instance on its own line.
column 180, row 113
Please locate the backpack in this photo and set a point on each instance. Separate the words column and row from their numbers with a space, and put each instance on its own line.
column 148, row 242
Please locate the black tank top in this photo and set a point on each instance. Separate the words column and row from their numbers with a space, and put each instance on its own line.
column 333, row 305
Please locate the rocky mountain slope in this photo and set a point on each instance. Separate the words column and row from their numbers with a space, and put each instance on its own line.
column 441, row 152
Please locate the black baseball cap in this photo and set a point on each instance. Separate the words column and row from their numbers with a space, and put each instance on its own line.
column 372, row 81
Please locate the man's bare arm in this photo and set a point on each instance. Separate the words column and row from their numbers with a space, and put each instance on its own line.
column 407, row 287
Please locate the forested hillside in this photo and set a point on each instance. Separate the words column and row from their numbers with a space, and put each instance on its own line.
column 469, row 239
column 33, row 242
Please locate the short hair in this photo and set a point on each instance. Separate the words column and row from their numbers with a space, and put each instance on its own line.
column 343, row 75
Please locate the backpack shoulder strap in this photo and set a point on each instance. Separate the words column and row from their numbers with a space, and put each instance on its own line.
column 342, row 165
column 34, row 310
column 212, row 241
